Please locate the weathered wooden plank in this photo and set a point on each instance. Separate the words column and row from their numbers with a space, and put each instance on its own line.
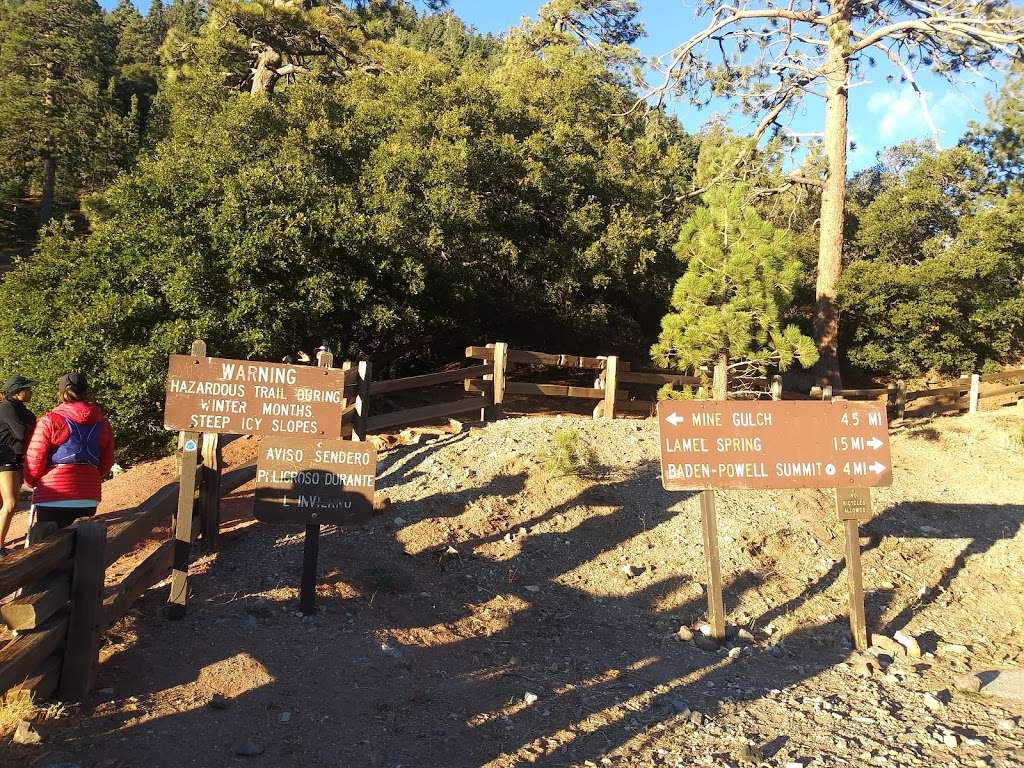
column 22, row 657
column 44, row 681
column 81, row 651
column 24, row 566
column 424, row 413
column 538, row 358
column 429, row 379
column 656, row 379
column 611, row 385
column 939, row 392
column 124, row 536
column 239, row 476
column 32, row 609
column 156, row 567
column 1015, row 375
column 1002, row 391
column 876, row 392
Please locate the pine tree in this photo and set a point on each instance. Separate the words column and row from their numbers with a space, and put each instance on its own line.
column 51, row 88
column 729, row 305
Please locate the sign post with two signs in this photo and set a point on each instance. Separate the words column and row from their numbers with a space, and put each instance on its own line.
column 305, row 473
column 710, row 445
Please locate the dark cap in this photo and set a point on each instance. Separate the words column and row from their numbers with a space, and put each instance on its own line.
column 16, row 384
column 75, row 381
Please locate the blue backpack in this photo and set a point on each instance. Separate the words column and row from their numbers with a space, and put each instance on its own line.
column 82, row 445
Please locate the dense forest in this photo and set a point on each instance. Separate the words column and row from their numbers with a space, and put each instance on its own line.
column 266, row 175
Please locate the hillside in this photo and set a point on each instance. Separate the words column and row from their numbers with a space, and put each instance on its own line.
column 490, row 582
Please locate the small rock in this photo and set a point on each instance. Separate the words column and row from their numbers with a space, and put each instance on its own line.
column 734, row 653
column 696, row 718
column 26, row 735
column 451, row 551
column 909, row 643
column 705, row 643
column 530, row 698
column 284, row 717
column 1006, row 724
column 680, row 707
column 968, row 683
column 532, row 588
column 748, row 753
column 793, row 764
column 705, row 629
column 219, row 701
column 887, row 644
column 249, row 748
column 865, row 666
column 684, row 633
column 933, row 703
column 952, row 649
column 744, row 636
column 391, row 651
column 632, row 571
column 951, row 740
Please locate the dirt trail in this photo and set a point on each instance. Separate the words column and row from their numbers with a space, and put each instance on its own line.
column 489, row 580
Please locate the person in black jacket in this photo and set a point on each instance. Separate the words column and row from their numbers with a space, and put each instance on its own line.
column 16, row 425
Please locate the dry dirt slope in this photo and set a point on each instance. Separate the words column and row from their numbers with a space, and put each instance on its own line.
column 489, row 580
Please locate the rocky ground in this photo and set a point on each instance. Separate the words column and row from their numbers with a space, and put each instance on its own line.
column 500, row 616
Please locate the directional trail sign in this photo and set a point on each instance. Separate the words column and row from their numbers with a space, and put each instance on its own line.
column 709, row 444
column 315, row 482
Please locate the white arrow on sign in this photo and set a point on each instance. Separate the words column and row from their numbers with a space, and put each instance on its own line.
column 674, row 419
column 875, row 443
column 878, row 468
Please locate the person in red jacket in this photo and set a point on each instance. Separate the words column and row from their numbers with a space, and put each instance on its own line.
column 71, row 450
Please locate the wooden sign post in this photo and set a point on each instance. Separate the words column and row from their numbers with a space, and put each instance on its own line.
column 211, row 395
column 183, row 517
column 708, row 445
column 310, row 481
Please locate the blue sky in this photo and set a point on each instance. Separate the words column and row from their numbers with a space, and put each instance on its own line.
column 881, row 114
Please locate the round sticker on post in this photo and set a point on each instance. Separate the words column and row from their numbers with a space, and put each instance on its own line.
column 190, row 445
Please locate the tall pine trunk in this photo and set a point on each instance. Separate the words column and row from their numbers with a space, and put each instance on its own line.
column 833, row 198
column 49, row 185
column 49, row 161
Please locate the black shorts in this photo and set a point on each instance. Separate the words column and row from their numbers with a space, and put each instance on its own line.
column 62, row 516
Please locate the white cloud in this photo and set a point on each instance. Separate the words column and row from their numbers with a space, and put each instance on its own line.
column 901, row 116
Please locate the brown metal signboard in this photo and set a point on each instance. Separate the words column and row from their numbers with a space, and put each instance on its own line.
column 207, row 394
column 853, row 503
column 709, row 444
column 314, row 482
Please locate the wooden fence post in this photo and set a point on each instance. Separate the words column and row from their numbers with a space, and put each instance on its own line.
column 776, row 387
column 974, row 393
column 81, row 650
column 901, row 399
column 826, row 392
column 187, row 465
column 362, row 400
column 498, row 387
column 611, row 383
column 209, row 490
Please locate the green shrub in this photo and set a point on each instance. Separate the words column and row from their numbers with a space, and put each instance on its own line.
column 568, row 454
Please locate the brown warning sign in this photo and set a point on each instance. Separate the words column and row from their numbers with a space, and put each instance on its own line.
column 309, row 481
column 707, row 444
column 208, row 394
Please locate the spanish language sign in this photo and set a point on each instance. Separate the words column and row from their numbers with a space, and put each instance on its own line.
column 207, row 394
column 708, row 444
column 309, row 481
